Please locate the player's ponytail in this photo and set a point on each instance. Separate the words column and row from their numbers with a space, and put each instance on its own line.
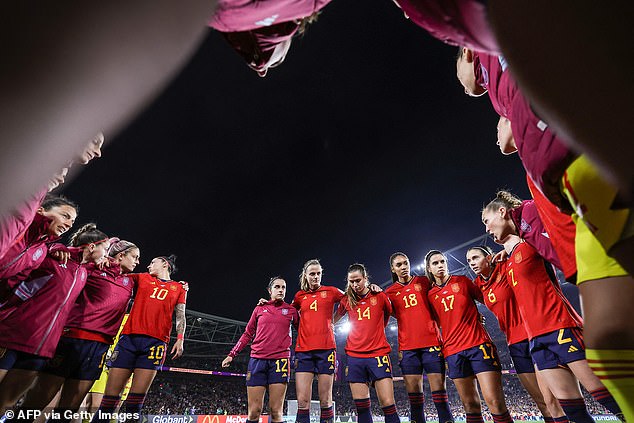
column 503, row 199
column 87, row 234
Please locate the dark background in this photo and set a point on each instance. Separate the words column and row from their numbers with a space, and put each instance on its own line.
column 360, row 144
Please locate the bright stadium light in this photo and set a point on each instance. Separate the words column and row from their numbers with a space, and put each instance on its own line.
column 345, row 327
column 393, row 328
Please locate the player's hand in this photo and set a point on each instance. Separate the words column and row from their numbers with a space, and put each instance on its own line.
column 61, row 256
column 103, row 263
column 185, row 285
column 177, row 349
column 500, row 257
column 227, row 361
column 262, row 301
column 375, row 288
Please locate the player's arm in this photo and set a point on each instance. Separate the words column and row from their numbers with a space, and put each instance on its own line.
column 341, row 311
column 244, row 340
column 177, row 349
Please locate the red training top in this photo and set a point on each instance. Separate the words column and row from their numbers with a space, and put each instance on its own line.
column 270, row 324
column 453, row 304
column 153, row 306
column 315, row 327
column 368, row 319
column 416, row 327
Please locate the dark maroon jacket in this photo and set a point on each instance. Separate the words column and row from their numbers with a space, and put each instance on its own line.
column 457, row 22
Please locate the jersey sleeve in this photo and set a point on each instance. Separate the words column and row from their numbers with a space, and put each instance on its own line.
column 296, row 303
column 338, row 294
column 182, row 296
column 474, row 292
column 341, row 310
column 248, row 334
column 13, row 227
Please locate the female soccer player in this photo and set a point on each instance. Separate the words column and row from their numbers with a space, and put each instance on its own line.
column 498, row 297
column 552, row 325
column 270, row 330
column 143, row 343
column 262, row 31
column 419, row 341
column 315, row 352
column 367, row 347
column 33, row 318
column 54, row 217
column 89, row 331
column 467, row 346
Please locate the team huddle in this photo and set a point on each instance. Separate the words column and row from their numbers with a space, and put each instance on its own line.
column 61, row 306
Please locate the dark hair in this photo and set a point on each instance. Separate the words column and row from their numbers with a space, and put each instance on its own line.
column 352, row 296
column 504, row 199
column 303, row 280
column 272, row 280
column 120, row 246
column 392, row 257
column 486, row 250
column 87, row 234
column 51, row 201
column 427, row 257
column 171, row 263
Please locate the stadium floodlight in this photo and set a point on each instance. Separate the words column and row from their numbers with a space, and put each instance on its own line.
column 345, row 327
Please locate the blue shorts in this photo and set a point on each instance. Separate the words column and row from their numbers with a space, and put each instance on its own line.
column 368, row 370
column 322, row 362
column 138, row 352
column 263, row 372
column 12, row 359
column 483, row 358
column 521, row 356
column 557, row 348
column 78, row 359
column 413, row 362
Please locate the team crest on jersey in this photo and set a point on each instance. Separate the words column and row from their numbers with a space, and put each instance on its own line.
column 498, row 278
column 373, row 301
column 324, row 294
column 305, row 297
column 518, row 257
column 37, row 254
column 173, row 287
column 524, row 226
column 125, row 281
column 284, row 311
column 417, row 287
column 455, row 287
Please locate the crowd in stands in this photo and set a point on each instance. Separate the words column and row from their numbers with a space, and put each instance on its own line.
column 202, row 394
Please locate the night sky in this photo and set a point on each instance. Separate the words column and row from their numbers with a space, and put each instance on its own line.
column 360, row 144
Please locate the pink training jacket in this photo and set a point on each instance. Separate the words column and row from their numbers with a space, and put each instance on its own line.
column 33, row 319
column 25, row 255
column 544, row 156
column 13, row 227
column 530, row 228
column 457, row 22
column 103, row 302
column 254, row 28
column 271, row 325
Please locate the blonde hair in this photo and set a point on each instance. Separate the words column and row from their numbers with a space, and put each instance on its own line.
column 503, row 199
column 352, row 296
column 303, row 280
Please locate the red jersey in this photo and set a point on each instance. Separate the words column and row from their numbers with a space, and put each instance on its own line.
column 368, row 319
column 154, row 304
column 499, row 298
column 560, row 228
column 453, row 304
column 416, row 327
column 315, row 327
column 539, row 298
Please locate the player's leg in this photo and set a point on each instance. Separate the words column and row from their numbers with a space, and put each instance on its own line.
column 324, row 387
column 594, row 386
column 114, row 76
column 385, row 394
column 468, row 392
column 14, row 384
column 141, row 383
column 361, row 395
column 434, row 366
column 43, row 391
column 551, row 401
column 277, row 393
column 304, row 375
column 117, row 378
column 73, row 393
column 411, row 364
column 255, row 400
column 565, row 387
column 529, row 382
column 491, row 387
